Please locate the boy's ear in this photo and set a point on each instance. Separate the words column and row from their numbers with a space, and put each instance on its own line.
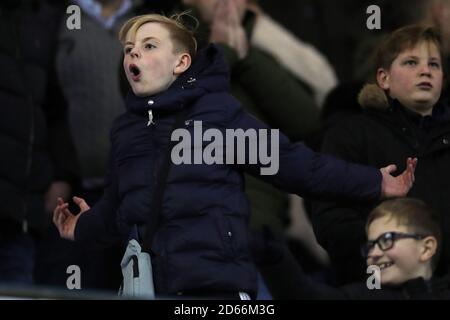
column 383, row 78
column 183, row 63
column 429, row 248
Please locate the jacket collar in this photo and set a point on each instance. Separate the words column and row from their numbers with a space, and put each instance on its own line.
column 373, row 98
column 421, row 288
column 440, row 115
column 208, row 73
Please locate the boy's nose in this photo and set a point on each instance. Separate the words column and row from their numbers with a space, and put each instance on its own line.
column 135, row 53
column 374, row 254
column 425, row 70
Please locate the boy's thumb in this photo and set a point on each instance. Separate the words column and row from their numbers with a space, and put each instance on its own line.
column 391, row 168
column 81, row 203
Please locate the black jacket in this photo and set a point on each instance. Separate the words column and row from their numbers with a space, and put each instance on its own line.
column 35, row 143
column 386, row 133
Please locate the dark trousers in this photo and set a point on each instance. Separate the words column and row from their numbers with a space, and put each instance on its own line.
column 17, row 252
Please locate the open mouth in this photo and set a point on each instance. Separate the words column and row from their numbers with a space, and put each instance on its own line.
column 425, row 85
column 135, row 72
column 385, row 265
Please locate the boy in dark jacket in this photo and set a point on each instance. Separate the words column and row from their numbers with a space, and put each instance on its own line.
column 402, row 252
column 402, row 115
column 201, row 244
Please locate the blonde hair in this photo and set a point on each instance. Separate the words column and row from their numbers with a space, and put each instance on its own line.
column 181, row 35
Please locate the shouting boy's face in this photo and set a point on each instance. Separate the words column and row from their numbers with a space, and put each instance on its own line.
column 415, row 77
column 403, row 255
column 150, row 62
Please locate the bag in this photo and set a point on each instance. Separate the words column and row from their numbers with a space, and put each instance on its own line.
column 137, row 273
column 136, row 264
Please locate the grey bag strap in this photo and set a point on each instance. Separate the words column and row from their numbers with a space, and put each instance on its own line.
column 158, row 193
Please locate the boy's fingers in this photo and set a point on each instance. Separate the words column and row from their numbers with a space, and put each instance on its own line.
column 58, row 220
column 391, row 168
column 61, row 218
column 81, row 203
column 55, row 214
column 66, row 212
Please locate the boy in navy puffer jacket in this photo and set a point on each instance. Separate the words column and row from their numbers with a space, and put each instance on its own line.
column 201, row 244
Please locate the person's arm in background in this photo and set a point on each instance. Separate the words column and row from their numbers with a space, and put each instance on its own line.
column 60, row 143
column 339, row 225
column 283, row 274
column 282, row 99
column 300, row 58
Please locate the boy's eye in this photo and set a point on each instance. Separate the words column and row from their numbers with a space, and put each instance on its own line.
column 385, row 242
column 410, row 62
column 127, row 50
column 149, row 46
column 435, row 65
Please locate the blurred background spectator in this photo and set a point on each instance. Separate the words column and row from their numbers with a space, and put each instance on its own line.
column 38, row 162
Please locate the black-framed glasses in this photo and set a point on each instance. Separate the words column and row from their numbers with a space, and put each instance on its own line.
column 386, row 241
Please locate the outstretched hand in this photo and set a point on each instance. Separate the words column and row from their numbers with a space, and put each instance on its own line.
column 64, row 220
column 398, row 186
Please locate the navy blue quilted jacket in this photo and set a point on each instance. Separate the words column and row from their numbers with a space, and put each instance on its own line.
column 202, row 241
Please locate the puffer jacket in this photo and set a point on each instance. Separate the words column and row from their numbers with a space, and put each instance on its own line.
column 202, row 240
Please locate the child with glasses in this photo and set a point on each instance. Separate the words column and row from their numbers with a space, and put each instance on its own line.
column 404, row 239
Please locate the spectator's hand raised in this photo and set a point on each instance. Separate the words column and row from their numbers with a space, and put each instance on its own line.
column 398, row 186
column 227, row 28
column 64, row 220
column 58, row 189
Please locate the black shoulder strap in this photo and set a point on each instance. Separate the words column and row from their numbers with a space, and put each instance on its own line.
column 158, row 193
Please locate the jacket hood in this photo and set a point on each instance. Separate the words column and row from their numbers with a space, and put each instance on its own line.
column 372, row 96
column 208, row 73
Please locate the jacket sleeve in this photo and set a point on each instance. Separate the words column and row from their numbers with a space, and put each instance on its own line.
column 295, row 168
column 301, row 58
column 284, row 276
column 61, row 146
column 340, row 225
column 280, row 97
column 99, row 222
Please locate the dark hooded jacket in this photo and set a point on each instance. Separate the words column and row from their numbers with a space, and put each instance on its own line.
column 202, row 240
column 35, row 141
